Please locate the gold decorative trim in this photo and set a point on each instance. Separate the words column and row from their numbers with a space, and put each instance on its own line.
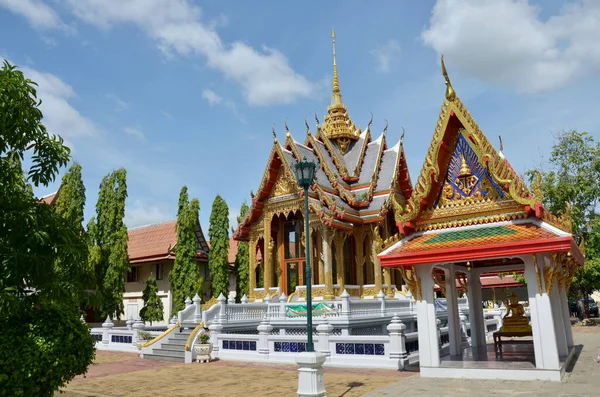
column 461, row 278
column 438, row 280
column 159, row 337
column 190, row 339
column 537, row 274
column 550, row 271
column 412, row 281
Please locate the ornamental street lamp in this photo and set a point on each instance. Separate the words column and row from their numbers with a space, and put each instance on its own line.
column 305, row 173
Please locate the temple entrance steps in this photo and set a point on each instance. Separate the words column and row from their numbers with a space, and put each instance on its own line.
column 173, row 349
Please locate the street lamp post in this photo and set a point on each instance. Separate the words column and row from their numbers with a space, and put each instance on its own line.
column 305, row 172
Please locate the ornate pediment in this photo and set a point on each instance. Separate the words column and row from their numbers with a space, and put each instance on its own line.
column 284, row 184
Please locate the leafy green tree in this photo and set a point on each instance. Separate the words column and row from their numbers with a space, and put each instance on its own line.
column 242, row 261
column 185, row 275
column 218, row 234
column 44, row 344
column 108, row 242
column 153, row 306
column 573, row 177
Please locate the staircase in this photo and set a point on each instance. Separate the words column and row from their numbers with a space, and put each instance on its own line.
column 173, row 349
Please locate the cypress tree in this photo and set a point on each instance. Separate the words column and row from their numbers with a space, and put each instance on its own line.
column 153, row 306
column 185, row 275
column 218, row 233
column 242, row 261
column 108, row 240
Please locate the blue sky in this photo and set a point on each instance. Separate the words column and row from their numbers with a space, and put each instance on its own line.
column 185, row 92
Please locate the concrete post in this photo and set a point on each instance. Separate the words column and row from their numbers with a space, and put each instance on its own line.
column 188, row 302
column 282, row 302
column 476, row 319
column 173, row 320
column 106, row 327
column 231, row 299
column 215, row 329
column 438, row 324
column 398, row 342
column 264, row 330
column 464, row 336
column 345, row 298
column 244, row 300
column 429, row 352
column 454, row 326
column 137, row 327
column 381, row 298
column 129, row 323
column 324, row 331
column 222, row 309
column 197, row 309
column 311, row 382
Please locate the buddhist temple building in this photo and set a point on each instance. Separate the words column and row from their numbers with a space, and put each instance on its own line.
column 468, row 218
column 358, row 176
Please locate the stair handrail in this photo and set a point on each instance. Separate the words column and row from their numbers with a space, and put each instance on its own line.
column 190, row 339
column 159, row 337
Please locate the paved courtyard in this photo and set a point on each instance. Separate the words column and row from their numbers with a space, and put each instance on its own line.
column 123, row 374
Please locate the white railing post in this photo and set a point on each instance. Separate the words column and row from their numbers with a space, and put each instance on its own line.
column 345, row 297
column 244, row 300
column 197, row 309
column 438, row 326
column 188, row 302
column 398, row 342
column 324, row 331
column 173, row 320
column 129, row 323
column 222, row 309
column 381, row 297
column 138, row 325
column 106, row 327
column 215, row 329
column 264, row 330
column 231, row 300
column 282, row 302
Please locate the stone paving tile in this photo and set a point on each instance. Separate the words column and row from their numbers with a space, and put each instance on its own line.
column 583, row 381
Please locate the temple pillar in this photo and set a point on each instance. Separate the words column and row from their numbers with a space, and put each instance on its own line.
column 252, row 267
column 268, row 257
column 566, row 315
column 359, row 238
column 319, row 257
column 375, row 250
column 559, row 328
column 387, row 279
column 280, row 254
column 339, row 239
column 454, row 330
column 476, row 309
column 542, row 322
column 429, row 350
column 327, row 235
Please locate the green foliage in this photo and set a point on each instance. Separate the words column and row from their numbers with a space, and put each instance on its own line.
column 218, row 233
column 519, row 278
column 41, row 349
column 43, row 343
column 108, row 242
column 145, row 335
column 153, row 307
column 185, row 276
column 573, row 177
column 242, row 261
column 204, row 338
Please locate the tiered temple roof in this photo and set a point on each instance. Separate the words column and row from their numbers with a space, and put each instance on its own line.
column 355, row 178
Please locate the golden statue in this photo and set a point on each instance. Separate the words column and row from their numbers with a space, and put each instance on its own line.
column 515, row 319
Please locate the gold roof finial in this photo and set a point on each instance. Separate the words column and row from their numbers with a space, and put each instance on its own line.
column 450, row 94
column 273, row 131
column 402, row 136
column 370, row 121
column 336, row 83
column 464, row 168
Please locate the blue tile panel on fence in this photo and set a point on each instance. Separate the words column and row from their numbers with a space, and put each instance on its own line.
column 121, row 339
column 290, row 347
column 369, row 349
column 239, row 345
column 97, row 337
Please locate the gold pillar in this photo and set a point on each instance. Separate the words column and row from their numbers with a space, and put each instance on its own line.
column 268, row 258
column 315, row 257
column 327, row 234
column 387, row 277
column 319, row 260
column 280, row 253
column 339, row 239
column 359, row 238
column 376, row 246
column 252, row 267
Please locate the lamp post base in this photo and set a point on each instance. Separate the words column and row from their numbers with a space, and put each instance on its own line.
column 311, row 382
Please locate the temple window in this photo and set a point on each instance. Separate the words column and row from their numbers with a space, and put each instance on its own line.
column 349, row 264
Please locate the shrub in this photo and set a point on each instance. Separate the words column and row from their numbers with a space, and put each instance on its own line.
column 41, row 349
column 204, row 338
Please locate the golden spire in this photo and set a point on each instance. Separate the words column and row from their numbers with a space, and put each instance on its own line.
column 450, row 94
column 336, row 97
column 464, row 168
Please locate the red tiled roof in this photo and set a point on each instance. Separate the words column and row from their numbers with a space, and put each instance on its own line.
column 233, row 248
column 477, row 243
column 49, row 199
column 152, row 242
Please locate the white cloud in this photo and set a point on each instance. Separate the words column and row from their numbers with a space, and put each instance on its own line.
column 506, row 42
column 265, row 75
column 212, row 97
column 60, row 117
column 215, row 99
column 167, row 114
column 135, row 132
column 39, row 14
column 120, row 105
column 386, row 55
column 139, row 213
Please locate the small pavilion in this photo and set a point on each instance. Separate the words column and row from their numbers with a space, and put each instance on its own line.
column 470, row 215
